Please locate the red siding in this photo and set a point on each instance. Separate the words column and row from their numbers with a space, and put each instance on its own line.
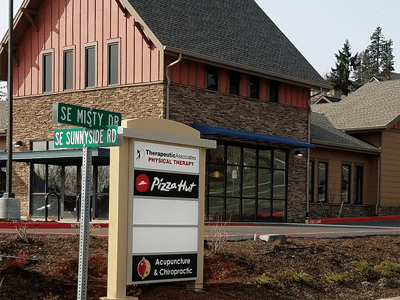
column 75, row 23
column 223, row 80
column 244, row 86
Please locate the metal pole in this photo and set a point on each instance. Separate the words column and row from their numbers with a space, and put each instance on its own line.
column 10, row 101
column 84, row 228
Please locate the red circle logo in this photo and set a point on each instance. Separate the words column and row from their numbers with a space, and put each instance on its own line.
column 142, row 183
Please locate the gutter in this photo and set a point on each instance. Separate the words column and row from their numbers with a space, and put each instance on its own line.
column 256, row 71
column 348, row 148
column 168, row 84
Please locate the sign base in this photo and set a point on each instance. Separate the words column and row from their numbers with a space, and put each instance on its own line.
column 10, row 208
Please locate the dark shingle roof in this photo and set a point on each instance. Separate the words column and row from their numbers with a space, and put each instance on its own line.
column 236, row 31
column 323, row 132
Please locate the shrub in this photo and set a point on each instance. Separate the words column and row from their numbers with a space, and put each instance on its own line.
column 386, row 268
column 338, row 278
column 297, row 276
column 269, row 280
column 366, row 270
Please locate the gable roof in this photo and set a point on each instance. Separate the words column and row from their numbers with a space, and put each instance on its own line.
column 232, row 32
column 325, row 99
column 236, row 31
column 324, row 133
column 376, row 105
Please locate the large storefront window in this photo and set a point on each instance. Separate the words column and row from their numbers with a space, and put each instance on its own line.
column 2, row 178
column 65, row 182
column 246, row 184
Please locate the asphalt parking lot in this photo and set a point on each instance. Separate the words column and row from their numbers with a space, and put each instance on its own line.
column 240, row 231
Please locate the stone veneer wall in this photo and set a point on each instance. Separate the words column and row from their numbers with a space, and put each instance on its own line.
column 193, row 105
column 33, row 118
column 348, row 211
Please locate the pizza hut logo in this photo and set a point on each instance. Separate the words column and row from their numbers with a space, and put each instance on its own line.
column 142, row 183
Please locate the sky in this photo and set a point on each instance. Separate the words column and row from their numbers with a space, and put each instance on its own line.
column 318, row 28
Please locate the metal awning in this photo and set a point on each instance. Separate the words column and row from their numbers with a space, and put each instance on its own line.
column 225, row 132
column 57, row 156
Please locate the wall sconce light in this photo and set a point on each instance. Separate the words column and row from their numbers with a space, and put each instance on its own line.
column 17, row 144
column 299, row 152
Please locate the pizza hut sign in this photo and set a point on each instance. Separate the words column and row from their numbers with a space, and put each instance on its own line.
column 171, row 185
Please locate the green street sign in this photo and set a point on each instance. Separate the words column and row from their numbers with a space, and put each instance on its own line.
column 84, row 116
column 84, row 137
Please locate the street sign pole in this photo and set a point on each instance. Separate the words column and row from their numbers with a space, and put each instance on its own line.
column 84, row 226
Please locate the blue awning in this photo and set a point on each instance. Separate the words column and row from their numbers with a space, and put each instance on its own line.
column 218, row 131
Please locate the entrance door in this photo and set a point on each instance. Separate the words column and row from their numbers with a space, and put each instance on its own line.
column 71, row 191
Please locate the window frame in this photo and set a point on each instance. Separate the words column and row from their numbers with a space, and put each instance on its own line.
column 65, row 64
column 221, row 191
column 45, row 76
column 233, row 76
column 274, row 87
column 111, row 43
column 358, row 191
column 346, row 188
column 254, row 83
column 326, row 177
column 86, row 69
column 216, row 79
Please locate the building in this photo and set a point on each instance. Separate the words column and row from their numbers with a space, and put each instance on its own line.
column 222, row 66
column 371, row 114
column 343, row 172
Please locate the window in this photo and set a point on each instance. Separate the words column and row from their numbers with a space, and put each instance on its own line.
column 323, row 182
column 254, row 87
column 2, row 178
column 358, row 184
column 113, row 63
column 311, row 174
column 47, row 72
column 234, row 82
column 212, row 78
column 246, row 183
column 68, row 76
column 90, row 66
column 43, row 145
column 346, row 175
column 274, row 91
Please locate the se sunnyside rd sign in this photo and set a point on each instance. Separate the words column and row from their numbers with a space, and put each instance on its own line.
column 83, row 137
column 84, row 116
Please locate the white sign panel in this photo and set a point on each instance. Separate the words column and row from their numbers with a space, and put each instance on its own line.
column 161, row 157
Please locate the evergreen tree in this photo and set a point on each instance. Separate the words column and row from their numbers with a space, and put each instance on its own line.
column 387, row 62
column 366, row 69
column 340, row 76
column 376, row 48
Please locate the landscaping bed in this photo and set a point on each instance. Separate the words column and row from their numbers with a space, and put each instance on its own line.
column 303, row 268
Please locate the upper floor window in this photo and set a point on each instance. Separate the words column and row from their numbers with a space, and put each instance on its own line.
column 212, row 78
column 234, row 82
column 68, row 75
column 113, row 64
column 254, row 87
column 90, row 66
column 47, row 72
column 274, row 91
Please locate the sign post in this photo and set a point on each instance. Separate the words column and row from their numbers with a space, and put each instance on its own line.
column 100, row 130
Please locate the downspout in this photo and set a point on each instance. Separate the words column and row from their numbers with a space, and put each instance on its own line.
column 378, row 186
column 308, row 156
column 168, row 84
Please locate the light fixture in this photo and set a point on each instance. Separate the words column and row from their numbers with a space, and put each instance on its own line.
column 17, row 144
column 299, row 152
